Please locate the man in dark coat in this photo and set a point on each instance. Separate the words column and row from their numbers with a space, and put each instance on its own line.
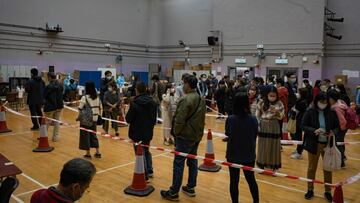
column 142, row 118
column 35, row 89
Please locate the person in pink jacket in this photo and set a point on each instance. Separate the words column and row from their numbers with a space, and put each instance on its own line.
column 340, row 107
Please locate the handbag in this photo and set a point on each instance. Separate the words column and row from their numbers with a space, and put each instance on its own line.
column 291, row 124
column 332, row 156
column 85, row 115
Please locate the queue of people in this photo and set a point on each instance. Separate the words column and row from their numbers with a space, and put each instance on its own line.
column 256, row 113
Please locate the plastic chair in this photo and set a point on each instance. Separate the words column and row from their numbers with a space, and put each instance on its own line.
column 8, row 186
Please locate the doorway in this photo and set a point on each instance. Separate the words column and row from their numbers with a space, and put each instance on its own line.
column 280, row 72
column 233, row 72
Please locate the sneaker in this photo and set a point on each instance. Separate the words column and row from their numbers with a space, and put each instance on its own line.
column 55, row 139
column 151, row 175
column 328, row 197
column 188, row 191
column 342, row 164
column 294, row 152
column 169, row 195
column 296, row 156
column 225, row 139
column 309, row 194
column 117, row 134
column 97, row 155
column 166, row 143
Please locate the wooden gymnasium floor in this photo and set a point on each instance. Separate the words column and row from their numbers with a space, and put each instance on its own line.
column 115, row 169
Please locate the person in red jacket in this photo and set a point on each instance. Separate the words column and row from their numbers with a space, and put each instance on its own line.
column 340, row 107
column 75, row 179
column 316, row 88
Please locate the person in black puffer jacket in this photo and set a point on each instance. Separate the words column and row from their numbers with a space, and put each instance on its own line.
column 53, row 105
column 35, row 89
column 319, row 123
column 142, row 119
column 300, row 108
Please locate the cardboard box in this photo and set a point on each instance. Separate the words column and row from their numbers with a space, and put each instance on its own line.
column 341, row 79
column 179, row 63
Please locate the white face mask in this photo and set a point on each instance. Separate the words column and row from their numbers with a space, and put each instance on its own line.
column 321, row 105
column 292, row 80
column 247, row 75
column 204, row 79
column 110, row 89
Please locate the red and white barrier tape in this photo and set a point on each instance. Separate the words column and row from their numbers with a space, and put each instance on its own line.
column 215, row 112
column 73, row 102
column 258, row 170
column 108, row 119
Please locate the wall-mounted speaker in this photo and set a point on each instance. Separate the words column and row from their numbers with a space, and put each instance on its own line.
column 212, row 41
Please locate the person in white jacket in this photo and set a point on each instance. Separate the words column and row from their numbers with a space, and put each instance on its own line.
column 168, row 106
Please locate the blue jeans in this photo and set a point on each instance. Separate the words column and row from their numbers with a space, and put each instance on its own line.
column 147, row 160
column 190, row 147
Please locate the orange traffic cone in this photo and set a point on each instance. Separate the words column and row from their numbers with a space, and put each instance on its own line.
column 3, row 126
column 139, row 186
column 338, row 195
column 208, row 165
column 43, row 140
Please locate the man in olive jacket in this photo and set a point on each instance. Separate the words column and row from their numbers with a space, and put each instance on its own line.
column 188, row 129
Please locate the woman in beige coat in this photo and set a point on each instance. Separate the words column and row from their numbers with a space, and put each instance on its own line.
column 168, row 108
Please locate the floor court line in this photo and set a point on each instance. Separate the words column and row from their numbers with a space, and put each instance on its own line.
column 274, row 184
column 33, row 180
column 351, row 158
column 99, row 172
column 266, row 182
column 17, row 199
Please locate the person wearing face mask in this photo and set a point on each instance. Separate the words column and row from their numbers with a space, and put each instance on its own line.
column 111, row 107
column 291, row 85
column 104, row 84
column 75, row 179
column 319, row 123
column 270, row 111
column 340, row 107
column 343, row 94
column 246, row 76
column 179, row 92
column 325, row 85
column 202, row 88
column 253, row 93
column 168, row 108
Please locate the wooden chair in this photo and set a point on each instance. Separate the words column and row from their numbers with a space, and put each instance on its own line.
column 12, row 99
